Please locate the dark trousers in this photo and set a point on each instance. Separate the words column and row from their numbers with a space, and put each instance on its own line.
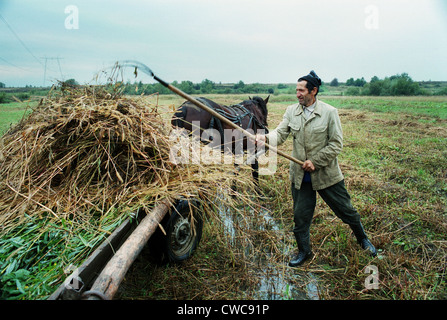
column 336, row 197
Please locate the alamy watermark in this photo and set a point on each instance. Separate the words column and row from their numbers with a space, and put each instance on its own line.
column 73, row 282
column 372, row 281
column 233, row 148
column 72, row 20
column 372, row 17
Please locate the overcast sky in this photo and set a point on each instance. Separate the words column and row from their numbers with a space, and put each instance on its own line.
column 266, row 41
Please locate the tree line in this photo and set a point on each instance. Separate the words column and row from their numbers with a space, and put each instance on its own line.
column 396, row 85
column 205, row 87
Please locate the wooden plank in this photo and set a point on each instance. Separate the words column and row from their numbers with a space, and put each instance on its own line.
column 107, row 283
column 90, row 268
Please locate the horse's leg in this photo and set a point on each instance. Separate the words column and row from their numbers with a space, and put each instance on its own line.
column 255, row 174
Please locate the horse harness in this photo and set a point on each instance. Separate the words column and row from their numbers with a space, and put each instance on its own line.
column 235, row 114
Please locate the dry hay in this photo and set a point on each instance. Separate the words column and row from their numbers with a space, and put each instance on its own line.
column 88, row 154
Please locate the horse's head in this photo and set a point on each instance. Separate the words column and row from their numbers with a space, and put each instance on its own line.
column 260, row 110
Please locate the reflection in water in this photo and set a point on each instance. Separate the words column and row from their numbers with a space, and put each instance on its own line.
column 267, row 256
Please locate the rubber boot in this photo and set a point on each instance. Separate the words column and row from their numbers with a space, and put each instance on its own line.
column 304, row 250
column 362, row 239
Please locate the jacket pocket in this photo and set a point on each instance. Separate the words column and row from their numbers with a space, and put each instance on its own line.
column 294, row 129
column 318, row 139
column 319, row 129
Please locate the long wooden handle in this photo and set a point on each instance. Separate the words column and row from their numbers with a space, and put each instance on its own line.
column 148, row 71
column 225, row 120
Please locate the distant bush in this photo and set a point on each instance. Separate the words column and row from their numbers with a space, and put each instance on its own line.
column 23, row 96
column 3, row 98
column 442, row 92
column 397, row 85
column 356, row 83
column 334, row 83
column 353, row 91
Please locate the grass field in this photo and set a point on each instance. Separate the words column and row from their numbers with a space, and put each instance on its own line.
column 395, row 165
column 11, row 113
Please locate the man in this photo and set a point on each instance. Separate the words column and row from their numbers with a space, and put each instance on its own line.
column 317, row 140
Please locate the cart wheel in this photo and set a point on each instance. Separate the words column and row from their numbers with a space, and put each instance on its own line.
column 183, row 233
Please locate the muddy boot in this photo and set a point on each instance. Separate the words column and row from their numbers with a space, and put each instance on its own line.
column 304, row 250
column 362, row 239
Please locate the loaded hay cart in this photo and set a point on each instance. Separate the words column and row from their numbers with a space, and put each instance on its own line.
column 88, row 173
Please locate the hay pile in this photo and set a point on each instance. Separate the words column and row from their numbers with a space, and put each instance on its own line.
column 80, row 151
column 88, row 151
column 82, row 161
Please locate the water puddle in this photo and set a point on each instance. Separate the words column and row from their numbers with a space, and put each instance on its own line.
column 267, row 256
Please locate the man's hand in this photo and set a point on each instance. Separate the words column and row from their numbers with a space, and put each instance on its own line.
column 260, row 140
column 308, row 166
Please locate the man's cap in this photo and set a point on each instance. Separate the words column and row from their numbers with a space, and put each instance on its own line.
column 312, row 78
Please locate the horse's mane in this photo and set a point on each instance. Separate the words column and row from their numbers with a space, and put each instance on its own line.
column 262, row 104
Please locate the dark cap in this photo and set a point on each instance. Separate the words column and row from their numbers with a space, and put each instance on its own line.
column 312, row 78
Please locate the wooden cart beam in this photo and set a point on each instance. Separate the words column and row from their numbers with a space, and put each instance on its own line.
column 83, row 277
column 107, row 283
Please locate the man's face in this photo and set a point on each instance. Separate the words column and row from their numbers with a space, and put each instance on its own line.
column 305, row 97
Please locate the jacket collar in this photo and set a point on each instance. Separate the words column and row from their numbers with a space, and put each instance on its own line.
column 317, row 110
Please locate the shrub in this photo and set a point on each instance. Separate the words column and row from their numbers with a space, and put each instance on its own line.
column 3, row 98
column 397, row 85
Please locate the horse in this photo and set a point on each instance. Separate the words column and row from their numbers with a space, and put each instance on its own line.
column 250, row 115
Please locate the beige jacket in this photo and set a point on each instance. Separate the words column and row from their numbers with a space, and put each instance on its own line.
column 319, row 139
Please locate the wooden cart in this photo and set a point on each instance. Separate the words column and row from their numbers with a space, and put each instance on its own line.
column 172, row 231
